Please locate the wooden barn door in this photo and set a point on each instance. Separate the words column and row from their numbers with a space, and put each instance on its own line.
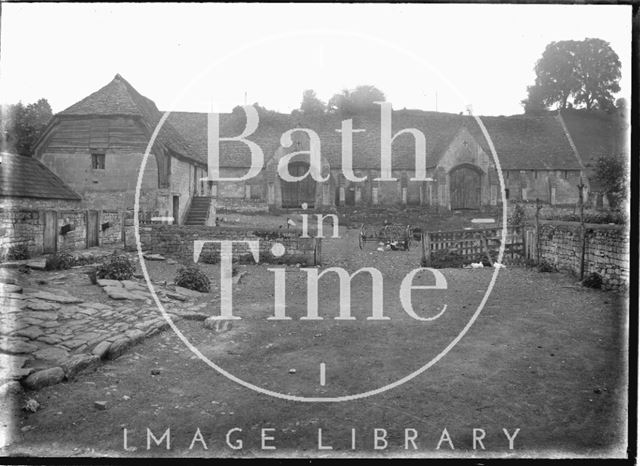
column 50, row 244
column 465, row 188
column 92, row 228
column 295, row 193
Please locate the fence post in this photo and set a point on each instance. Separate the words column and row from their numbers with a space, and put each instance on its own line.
column 426, row 248
column 537, row 243
column 582, row 229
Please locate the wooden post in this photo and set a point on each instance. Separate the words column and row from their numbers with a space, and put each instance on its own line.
column 582, row 229
column 426, row 248
column 537, row 231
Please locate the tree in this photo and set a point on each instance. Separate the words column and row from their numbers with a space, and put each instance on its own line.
column 357, row 101
column 611, row 173
column 24, row 125
column 575, row 73
column 311, row 105
column 598, row 70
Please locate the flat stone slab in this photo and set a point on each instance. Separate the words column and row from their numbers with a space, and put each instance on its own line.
column 12, row 345
column 52, row 354
column 44, row 378
column 45, row 295
column 31, row 332
column 189, row 293
column 39, row 264
column 133, row 286
column 6, row 288
column 37, row 305
column 106, row 282
column 122, row 293
column 483, row 220
column 154, row 257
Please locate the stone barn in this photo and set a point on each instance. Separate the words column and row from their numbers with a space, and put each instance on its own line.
column 96, row 146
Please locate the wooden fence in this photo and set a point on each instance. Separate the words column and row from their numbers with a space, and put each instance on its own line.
column 473, row 244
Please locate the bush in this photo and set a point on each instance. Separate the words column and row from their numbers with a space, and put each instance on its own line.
column 209, row 257
column 62, row 261
column 518, row 216
column 546, row 267
column 17, row 253
column 116, row 268
column 593, row 280
column 193, row 278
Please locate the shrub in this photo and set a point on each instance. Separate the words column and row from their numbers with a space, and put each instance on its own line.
column 62, row 261
column 209, row 257
column 545, row 266
column 17, row 253
column 518, row 216
column 593, row 280
column 116, row 268
column 193, row 278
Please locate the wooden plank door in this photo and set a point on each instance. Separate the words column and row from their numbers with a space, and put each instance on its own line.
column 297, row 192
column 92, row 228
column 465, row 188
column 50, row 242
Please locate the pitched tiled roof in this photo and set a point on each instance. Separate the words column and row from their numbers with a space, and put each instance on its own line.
column 120, row 98
column 596, row 134
column 525, row 142
column 22, row 176
column 439, row 129
column 522, row 142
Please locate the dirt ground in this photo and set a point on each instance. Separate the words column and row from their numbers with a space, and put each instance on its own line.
column 545, row 356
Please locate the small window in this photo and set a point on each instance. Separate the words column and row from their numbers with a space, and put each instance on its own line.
column 97, row 161
column 506, row 193
column 565, row 174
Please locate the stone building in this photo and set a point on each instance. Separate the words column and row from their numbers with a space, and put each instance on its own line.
column 97, row 145
column 536, row 158
column 30, row 198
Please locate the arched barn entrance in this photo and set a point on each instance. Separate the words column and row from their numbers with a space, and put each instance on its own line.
column 295, row 193
column 465, row 187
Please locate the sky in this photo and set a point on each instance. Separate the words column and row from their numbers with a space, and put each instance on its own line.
column 203, row 57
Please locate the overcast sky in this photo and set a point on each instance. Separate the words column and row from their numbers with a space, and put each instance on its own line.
column 481, row 55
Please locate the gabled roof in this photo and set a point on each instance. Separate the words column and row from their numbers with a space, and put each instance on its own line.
column 439, row 128
column 596, row 134
column 525, row 142
column 22, row 176
column 119, row 98
column 522, row 142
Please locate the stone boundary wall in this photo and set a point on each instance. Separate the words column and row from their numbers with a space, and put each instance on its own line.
column 241, row 205
column 178, row 241
column 606, row 250
column 26, row 226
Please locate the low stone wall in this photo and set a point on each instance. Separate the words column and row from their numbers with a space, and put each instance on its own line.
column 178, row 241
column 606, row 250
column 26, row 226
column 241, row 205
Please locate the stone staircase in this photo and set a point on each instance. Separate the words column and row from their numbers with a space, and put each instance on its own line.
column 198, row 211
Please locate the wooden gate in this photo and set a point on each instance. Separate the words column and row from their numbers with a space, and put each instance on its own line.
column 474, row 244
column 465, row 188
column 50, row 242
column 297, row 192
column 93, row 226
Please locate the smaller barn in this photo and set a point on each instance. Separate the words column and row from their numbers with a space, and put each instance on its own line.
column 31, row 196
